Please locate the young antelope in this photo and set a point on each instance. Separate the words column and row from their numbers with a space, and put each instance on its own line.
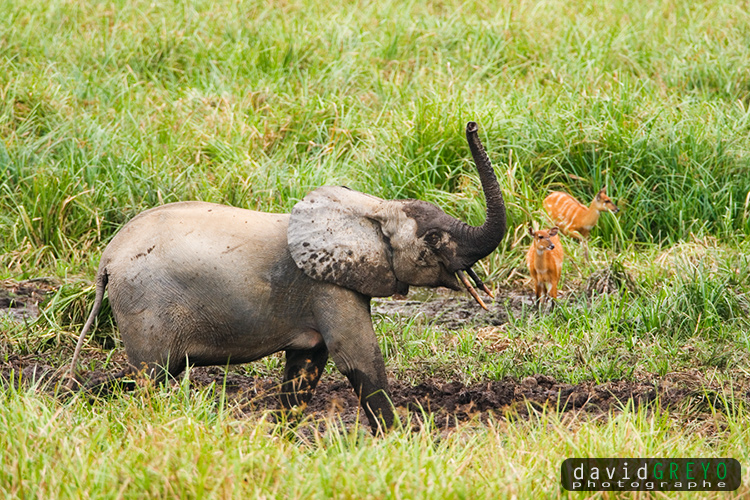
column 544, row 259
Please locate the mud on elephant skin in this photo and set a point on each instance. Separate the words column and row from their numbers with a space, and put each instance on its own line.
column 208, row 284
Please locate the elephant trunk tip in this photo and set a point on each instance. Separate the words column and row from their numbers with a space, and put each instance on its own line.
column 471, row 127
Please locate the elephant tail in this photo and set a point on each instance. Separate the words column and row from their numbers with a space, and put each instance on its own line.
column 101, row 283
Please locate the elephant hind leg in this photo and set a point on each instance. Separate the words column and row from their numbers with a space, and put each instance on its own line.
column 151, row 347
column 302, row 373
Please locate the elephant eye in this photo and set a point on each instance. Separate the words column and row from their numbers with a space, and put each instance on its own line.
column 432, row 238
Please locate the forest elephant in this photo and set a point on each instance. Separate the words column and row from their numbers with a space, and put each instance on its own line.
column 194, row 283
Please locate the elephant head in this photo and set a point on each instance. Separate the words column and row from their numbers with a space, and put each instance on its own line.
column 380, row 247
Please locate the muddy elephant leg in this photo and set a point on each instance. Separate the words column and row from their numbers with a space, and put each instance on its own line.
column 301, row 374
column 345, row 323
column 151, row 347
column 372, row 390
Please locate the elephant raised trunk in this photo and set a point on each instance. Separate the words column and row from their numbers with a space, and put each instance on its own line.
column 478, row 242
column 483, row 240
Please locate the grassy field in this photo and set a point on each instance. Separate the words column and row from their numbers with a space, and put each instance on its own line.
column 109, row 108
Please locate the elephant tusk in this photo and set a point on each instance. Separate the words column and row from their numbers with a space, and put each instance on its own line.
column 479, row 282
column 471, row 290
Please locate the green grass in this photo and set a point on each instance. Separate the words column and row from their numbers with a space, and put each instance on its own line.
column 109, row 108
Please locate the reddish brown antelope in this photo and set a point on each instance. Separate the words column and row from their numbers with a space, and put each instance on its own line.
column 573, row 217
column 545, row 258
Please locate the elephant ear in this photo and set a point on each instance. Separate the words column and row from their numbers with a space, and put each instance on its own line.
column 332, row 237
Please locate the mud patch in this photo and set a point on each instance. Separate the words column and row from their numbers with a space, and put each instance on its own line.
column 447, row 403
column 20, row 300
column 456, row 310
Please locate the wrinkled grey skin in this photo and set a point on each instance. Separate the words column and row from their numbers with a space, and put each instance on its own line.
column 204, row 284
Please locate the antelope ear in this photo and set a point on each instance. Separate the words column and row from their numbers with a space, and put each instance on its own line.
column 553, row 231
column 332, row 237
column 602, row 191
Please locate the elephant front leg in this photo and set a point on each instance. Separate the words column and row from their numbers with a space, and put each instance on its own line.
column 372, row 390
column 346, row 326
column 301, row 374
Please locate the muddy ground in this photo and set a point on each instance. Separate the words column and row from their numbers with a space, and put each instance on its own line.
column 448, row 402
column 20, row 299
